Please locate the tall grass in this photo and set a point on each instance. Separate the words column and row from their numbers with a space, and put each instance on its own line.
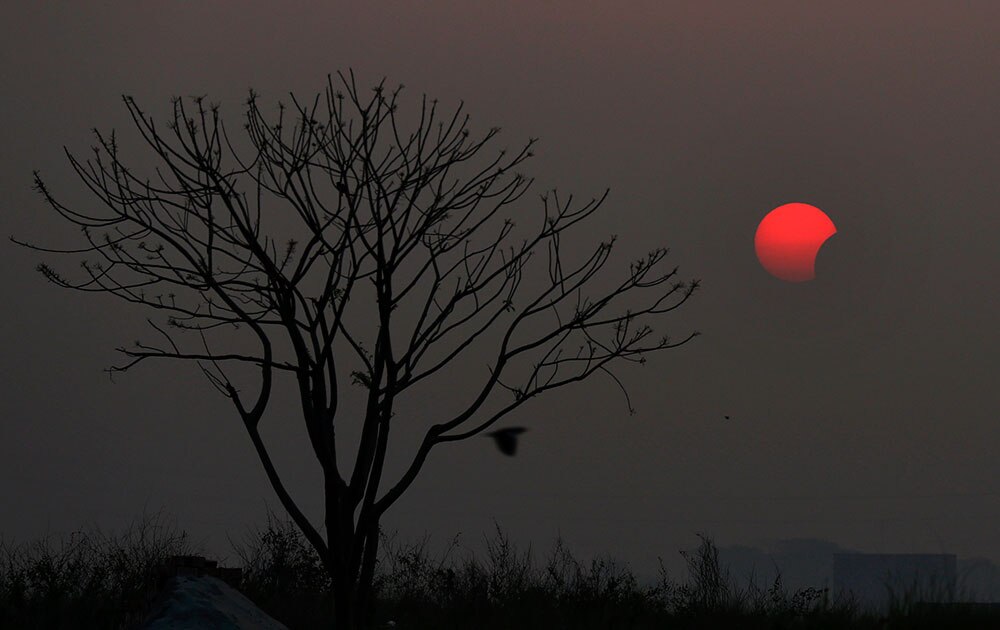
column 507, row 588
column 96, row 580
column 90, row 579
column 283, row 575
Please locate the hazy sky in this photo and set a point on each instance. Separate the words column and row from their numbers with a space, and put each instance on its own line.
column 864, row 404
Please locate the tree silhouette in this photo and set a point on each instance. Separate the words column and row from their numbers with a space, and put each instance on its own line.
column 403, row 264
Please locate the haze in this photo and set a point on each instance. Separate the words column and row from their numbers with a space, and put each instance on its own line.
column 863, row 404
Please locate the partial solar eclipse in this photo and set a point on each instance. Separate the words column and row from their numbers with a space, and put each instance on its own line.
column 788, row 240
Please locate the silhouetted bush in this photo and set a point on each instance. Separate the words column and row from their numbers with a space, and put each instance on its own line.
column 90, row 580
column 283, row 575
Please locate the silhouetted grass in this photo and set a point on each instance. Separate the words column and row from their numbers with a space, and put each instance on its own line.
column 284, row 576
column 88, row 580
column 507, row 589
column 101, row 581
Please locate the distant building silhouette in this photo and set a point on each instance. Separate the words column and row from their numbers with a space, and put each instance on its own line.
column 877, row 580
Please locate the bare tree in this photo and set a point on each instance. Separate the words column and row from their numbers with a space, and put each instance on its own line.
column 405, row 264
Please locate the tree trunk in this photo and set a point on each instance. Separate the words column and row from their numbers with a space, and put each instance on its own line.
column 353, row 602
column 343, row 604
column 365, row 601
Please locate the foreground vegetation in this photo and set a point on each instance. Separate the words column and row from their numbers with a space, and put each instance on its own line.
column 98, row 580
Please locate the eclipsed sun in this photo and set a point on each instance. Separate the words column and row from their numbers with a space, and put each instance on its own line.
column 789, row 238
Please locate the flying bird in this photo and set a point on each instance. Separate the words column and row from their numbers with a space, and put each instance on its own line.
column 506, row 439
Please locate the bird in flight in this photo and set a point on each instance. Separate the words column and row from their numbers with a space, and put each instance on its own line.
column 506, row 439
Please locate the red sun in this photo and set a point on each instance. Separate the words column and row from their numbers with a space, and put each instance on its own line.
column 789, row 238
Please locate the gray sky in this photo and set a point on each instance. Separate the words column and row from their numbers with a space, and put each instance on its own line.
column 864, row 403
